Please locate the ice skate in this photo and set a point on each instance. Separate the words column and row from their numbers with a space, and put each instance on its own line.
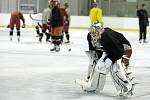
column 67, row 41
column 47, row 40
column 144, row 41
column 140, row 41
column 40, row 39
column 18, row 38
column 37, row 36
column 128, row 93
column 53, row 49
column 57, row 48
column 11, row 39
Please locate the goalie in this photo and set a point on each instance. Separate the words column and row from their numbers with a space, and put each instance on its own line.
column 106, row 48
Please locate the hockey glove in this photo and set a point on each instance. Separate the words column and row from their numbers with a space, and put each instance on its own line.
column 24, row 25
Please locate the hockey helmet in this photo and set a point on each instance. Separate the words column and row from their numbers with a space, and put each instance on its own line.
column 54, row 2
column 94, row 4
column 96, row 30
column 66, row 4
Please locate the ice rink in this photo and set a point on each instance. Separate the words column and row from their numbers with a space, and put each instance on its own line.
column 29, row 71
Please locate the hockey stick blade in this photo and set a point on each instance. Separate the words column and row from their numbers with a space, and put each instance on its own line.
column 68, row 48
column 35, row 19
column 82, row 83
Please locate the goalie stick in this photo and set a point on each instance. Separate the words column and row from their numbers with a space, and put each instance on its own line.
column 87, row 82
column 93, row 66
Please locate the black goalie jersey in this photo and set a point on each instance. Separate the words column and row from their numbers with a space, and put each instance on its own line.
column 111, row 42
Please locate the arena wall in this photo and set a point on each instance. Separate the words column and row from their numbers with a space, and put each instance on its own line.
column 83, row 22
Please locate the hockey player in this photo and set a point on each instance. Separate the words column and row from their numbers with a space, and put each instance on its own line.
column 37, row 22
column 95, row 13
column 15, row 21
column 45, row 26
column 66, row 22
column 65, row 16
column 38, row 26
column 106, row 48
column 143, row 23
column 56, row 22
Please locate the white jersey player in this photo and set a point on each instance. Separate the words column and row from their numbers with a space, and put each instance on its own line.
column 106, row 48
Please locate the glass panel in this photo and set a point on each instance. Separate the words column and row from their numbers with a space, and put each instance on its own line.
column 77, row 7
column 105, row 5
column 131, row 11
column 83, row 7
column 42, row 5
column 118, row 8
column 147, row 2
column 122, row 8
column 0, row 5
column 28, row 6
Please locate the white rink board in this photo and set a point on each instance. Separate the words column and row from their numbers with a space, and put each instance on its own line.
column 84, row 21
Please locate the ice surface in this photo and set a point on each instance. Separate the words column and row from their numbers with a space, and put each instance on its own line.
column 29, row 71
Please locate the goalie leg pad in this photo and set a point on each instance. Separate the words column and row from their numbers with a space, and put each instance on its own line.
column 98, row 75
column 121, row 81
column 96, row 83
column 92, row 61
